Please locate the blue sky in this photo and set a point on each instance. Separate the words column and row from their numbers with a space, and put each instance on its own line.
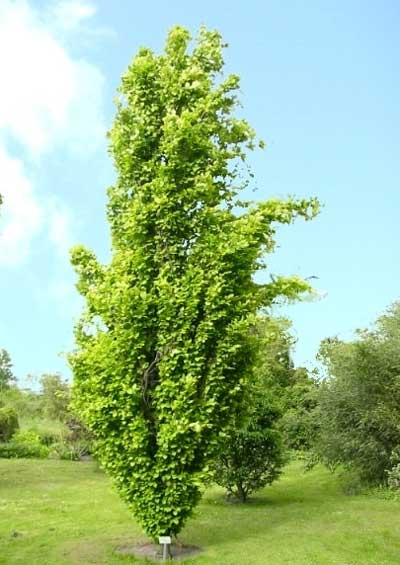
column 320, row 84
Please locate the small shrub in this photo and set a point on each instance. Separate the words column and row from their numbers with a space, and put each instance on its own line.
column 250, row 461
column 70, row 450
column 252, row 456
column 75, row 443
column 77, row 431
column 24, row 445
column 8, row 423
column 48, row 438
column 7, row 451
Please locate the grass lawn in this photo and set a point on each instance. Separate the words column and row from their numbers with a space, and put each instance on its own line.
column 57, row 512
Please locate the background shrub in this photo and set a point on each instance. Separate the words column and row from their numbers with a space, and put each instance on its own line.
column 48, row 437
column 393, row 475
column 24, row 445
column 8, row 423
column 70, row 450
column 251, row 458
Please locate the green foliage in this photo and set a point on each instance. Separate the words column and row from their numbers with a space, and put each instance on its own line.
column 55, row 396
column 280, row 402
column 299, row 423
column 393, row 475
column 299, row 428
column 75, row 442
column 251, row 455
column 70, row 450
column 25, row 444
column 77, row 431
column 295, row 390
column 359, row 409
column 48, row 437
column 8, row 423
column 160, row 363
column 7, row 377
column 27, row 403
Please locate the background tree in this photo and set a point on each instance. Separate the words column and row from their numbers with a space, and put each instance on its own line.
column 280, row 401
column 299, row 423
column 359, row 408
column 160, row 364
column 294, row 389
column 251, row 454
column 7, row 377
column 8, row 423
column 55, row 393
column 27, row 403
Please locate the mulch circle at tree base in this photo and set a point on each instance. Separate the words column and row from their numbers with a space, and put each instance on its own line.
column 153, row 551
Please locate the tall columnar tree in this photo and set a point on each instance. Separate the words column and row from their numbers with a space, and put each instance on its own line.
column 160, row 361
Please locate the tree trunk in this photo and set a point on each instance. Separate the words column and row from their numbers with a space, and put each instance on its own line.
column 241, row 492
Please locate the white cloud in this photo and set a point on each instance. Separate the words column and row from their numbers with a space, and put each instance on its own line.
column 69, row 15
column 45, row 92
column 85, row 130
column 60, row 228
column 48, row 100
column 21, row 216
column 37, row 79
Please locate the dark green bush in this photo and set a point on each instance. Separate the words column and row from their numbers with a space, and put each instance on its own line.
column 296, row 427
column 8, row 423
column 7, row 451
column 252, row 456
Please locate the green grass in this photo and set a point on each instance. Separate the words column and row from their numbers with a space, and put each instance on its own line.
column 58, row 512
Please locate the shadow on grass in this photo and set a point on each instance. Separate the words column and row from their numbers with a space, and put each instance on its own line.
column 285, row 503
column 307, row 487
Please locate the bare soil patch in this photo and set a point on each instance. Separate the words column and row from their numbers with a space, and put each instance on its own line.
column 178, row 552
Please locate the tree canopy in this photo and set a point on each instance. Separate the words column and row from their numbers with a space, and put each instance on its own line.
column 252, row 452
column 160, row 361
column 359, row 409
column 7, row 377
column 55, row 395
